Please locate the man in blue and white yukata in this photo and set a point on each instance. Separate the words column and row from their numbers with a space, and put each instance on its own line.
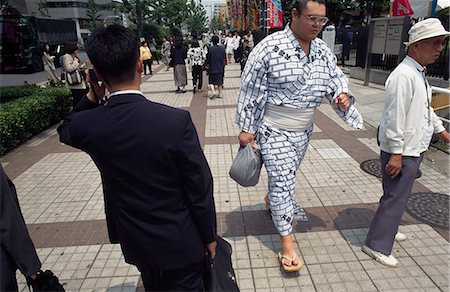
column 286, row 77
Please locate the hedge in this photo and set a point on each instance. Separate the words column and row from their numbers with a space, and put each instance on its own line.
column 14, row 92
column 22, row 118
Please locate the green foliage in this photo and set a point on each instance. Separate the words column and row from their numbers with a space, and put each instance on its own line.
column 42, row 8
column 196, row 20
column 92, row 14
column 176, row 32
column 215, row 24
column 152, row 30
column 24, row 117
column 13, row 92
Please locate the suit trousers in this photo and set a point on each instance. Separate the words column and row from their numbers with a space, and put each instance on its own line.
column 396, row 192
column 189, row 278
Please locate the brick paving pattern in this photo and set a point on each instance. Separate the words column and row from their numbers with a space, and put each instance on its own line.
column 61, row 197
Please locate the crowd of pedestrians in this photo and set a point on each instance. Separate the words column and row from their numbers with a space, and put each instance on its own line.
column 159, row 188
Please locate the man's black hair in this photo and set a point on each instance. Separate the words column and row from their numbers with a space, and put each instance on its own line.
column 215, row 40
column 114, row 51
column 301, row 4
column 195, row 44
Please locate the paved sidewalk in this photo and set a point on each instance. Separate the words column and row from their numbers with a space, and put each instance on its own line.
column 61, row 197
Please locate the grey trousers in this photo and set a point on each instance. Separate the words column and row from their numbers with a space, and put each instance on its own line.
column 392, row 204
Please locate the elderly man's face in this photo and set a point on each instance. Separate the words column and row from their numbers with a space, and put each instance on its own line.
column 428, row 50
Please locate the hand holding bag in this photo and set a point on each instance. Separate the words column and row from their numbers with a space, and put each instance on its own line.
column 219, row 274
column 246, row 166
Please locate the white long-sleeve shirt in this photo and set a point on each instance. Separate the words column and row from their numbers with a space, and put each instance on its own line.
column 408, row 121
column 279, row 72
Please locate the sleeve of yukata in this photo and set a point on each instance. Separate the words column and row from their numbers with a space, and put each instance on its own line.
column 338, row 84
column 253, row 94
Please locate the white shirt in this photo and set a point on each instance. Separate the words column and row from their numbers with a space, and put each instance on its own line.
column 408, row 122
column 279, row 72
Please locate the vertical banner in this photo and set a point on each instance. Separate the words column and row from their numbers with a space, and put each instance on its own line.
column 401, row 8
column 275, row 13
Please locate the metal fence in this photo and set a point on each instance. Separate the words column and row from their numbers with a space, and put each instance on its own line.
column 354, row 48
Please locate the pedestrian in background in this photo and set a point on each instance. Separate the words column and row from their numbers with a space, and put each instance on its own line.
column 152, row 47
column 197, row 57
column 49, row 64
column 245, row 53
column 286, row 77
column 249, row 38
column 165, row 52
column 236, row 41
column 178, row 55
column 406, row 128
column 146, row 57
column 71, row 63
column 216, row 59
column 229, row 45
column 158, row 188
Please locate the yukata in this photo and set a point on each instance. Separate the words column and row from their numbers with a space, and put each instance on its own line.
column 279, row 73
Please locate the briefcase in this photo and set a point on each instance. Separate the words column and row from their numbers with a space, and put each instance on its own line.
column 219, row 274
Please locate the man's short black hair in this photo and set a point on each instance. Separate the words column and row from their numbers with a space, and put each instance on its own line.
column 215, row 40
column 114, row 51
column 301, row 4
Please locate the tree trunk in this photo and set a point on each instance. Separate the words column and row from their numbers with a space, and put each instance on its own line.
column 138, row 18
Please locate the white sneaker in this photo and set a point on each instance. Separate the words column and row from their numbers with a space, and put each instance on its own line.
column 387, row 260
column 400, row 237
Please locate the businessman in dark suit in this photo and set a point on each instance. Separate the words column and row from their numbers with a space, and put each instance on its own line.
column 157, row 185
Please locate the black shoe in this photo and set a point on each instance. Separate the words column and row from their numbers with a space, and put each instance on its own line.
column 178, row 90
column 184, row 91
column 195, row 89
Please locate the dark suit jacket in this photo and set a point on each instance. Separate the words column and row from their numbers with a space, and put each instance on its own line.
column 16, row 248
column 157, row 184
column 216, row 59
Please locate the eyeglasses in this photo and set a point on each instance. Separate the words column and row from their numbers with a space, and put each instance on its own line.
column 315, row 19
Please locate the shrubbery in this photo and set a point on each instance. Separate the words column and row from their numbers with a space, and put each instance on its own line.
column 22, row 118
column 14, row 92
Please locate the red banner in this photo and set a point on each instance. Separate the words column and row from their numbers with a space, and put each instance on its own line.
column 401, row 8
column 275, row 13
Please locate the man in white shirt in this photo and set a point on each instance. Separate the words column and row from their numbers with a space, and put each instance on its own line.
column 407, row 125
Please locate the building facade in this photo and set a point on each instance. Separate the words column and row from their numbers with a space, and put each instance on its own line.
column 69, row 9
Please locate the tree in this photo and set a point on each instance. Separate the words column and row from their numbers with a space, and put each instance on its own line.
column 215, row 24
column 196, row 17
column 92, row 14
column 170, row 13
column 42, row 8
column 134, row 9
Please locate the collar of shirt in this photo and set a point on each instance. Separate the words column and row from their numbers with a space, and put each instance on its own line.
column 416, row 64
column 120, row 92
column 312, row 47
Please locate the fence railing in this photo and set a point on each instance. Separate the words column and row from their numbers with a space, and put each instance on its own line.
column 355, row 40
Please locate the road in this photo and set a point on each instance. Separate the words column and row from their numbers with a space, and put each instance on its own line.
column 20, row 76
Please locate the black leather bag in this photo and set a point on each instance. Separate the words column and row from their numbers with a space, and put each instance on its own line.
column 219, row 274
column 45, row 281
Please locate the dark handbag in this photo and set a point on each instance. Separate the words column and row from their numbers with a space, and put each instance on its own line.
column 45, row 281
column 171, row 63
column 74, row 77
column 219, row 274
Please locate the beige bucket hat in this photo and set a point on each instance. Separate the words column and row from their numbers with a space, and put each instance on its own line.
column 425, row 29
